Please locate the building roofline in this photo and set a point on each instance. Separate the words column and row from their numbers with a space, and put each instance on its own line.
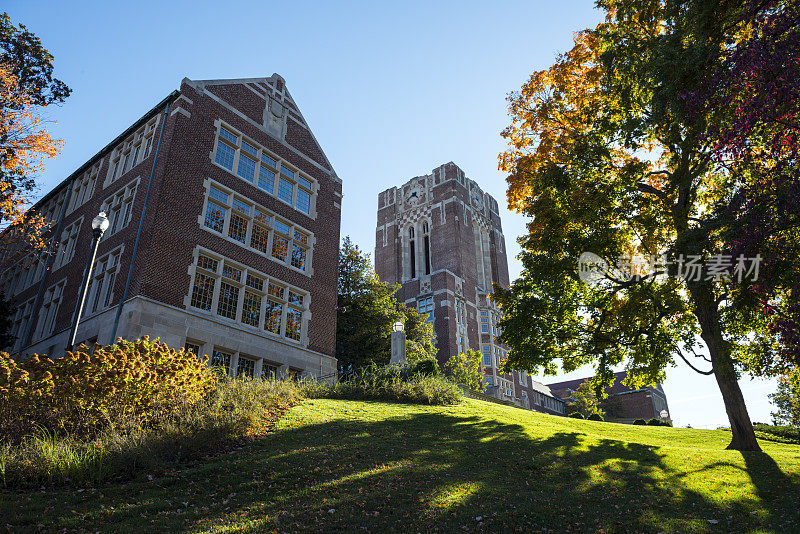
column 106, row 149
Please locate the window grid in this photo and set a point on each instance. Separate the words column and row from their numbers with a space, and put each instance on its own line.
column 228, row 300
column 83, row 187
column 194, row 348
column 49, row 310
column 102, row 286
column 21, row 320
column 245, row 367
column 118, row 208
column 131, row 152
column 221, row 358
column 425, row 306
column 203, row 291
column 251, row 309
column 233, row 150
column 256, row 228
column 66, row 249
column 248, row 297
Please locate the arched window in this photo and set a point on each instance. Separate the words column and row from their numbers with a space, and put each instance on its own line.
column 412, row 253
column 427, row 247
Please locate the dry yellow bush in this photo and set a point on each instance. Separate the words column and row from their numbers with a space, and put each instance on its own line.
column 129, row 383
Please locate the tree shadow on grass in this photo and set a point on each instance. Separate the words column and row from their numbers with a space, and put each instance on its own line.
column 429, row 471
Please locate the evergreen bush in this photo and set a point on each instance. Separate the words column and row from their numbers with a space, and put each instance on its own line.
column 576, row 415
column 408, row 383
column 639, row 422
column 595, row 417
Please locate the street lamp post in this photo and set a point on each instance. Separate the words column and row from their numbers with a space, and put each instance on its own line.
column 99, row 226
column 398, row 344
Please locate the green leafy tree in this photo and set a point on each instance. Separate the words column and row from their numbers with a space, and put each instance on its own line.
column 465, row 368
column 585, row 401
column 366, row 310
column 609, row 154
column 787, row 400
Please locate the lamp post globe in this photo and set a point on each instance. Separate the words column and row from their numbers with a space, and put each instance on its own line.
column 398, row 326
column 100, row 223
column 664, row 414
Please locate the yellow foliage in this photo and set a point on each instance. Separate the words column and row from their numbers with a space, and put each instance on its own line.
column 139, row 382
column 24, row 145
column 547, row 113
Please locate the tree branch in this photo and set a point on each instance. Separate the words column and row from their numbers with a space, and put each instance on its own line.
column 647, row 188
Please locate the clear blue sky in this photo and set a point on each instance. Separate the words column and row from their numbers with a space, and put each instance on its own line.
column 391, row 90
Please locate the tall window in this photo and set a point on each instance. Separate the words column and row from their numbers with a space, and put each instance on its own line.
column 21, row 319
column 83, row 187
column 258, row 166
column 66, row 248
column 49, row 310
column 294, row 315
column 101, row 290
column 247, row 296
column 426, row 243
column 51, row 211
column 132, row 151
column 412, row 253
column 461, row 312
column 229, row 290
column 257, row 228
column 425, row 307
column 119, row 208
column 247, row 162
column 204, row 283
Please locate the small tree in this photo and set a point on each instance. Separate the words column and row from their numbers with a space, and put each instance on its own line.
column 366, row 310
column 26, row 87
column 465, row 368
column 787, row 400
column 585, row 400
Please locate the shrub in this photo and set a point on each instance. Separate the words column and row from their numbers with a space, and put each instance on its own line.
column 639, row 422
column 234, row 409
column 141, row 382
column 782, row 434
column 595, row 417
column 465, row 368
column 394, row 383
column 654, row 422
column 576, row 415
column 425, row 366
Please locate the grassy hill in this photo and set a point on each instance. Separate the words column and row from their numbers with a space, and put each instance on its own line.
column 355, row 466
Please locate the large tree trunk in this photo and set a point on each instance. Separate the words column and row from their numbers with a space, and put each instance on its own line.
column 744, row 438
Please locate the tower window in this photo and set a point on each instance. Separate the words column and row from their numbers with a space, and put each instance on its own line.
column 412, row 253
column 426, row 242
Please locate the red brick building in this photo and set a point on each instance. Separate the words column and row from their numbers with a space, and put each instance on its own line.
column 224, row 229
column 624, row 404
column 440, row 236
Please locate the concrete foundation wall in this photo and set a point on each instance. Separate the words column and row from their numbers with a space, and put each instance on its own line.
column 145, row 317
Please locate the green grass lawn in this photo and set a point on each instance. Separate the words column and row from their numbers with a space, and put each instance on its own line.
column 364, row 466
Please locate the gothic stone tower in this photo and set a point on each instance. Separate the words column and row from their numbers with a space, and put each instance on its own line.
column 440, row 236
